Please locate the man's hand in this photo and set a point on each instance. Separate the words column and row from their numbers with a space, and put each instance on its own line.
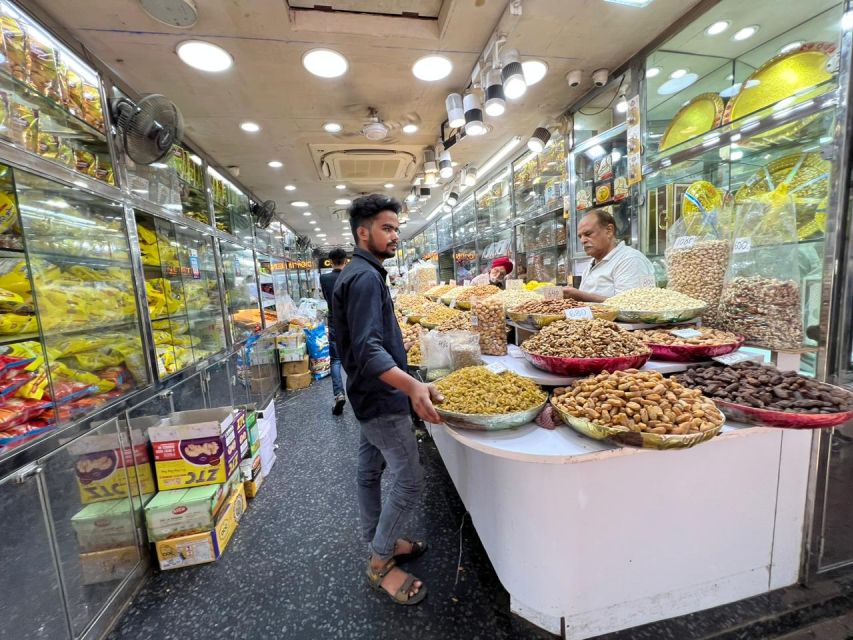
column 422, row 397
column 408, row 344
column 570, row 292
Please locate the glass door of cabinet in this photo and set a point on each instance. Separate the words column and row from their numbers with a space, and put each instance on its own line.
column 465, row 222
column 444, row 231
column 539, row 181
column 241, row 290
column 465, row 260
column 496, row 199
column 230, row 207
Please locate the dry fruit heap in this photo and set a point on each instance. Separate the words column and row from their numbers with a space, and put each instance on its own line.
column 765, row 387
column 764, row 310
column 698, row 271
column 547, row 307
column 707, row 337
column 478, row 291
column 439, row 290
column 476, row 390
column 584, row 339
column 653, row 299
column 514, row 297
column 413, row 304
column 415, row 356
column 460, row 322
column 640, row 401
column 438, row 314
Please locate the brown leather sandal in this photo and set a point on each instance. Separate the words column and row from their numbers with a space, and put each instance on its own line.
column 402, row 596
column 419, row 548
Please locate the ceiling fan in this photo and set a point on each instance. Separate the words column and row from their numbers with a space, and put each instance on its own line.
column 376, row 129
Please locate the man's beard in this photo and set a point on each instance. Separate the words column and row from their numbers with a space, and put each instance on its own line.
column 385, row 252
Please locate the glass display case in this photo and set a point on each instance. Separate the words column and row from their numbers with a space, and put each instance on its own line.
column 444, row 231
column 466, row 263
column 496, row 198
column 241, row 290
column 540, row 180
column 273, row 276
column 465, row 222
column 230, row 207
column 50, row 101
column 446, row 266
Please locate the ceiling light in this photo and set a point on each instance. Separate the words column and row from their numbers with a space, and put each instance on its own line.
column 340, row 187
column 410, row 128
column 534, row 71
column 250, row 127
column 678, row 73
column 502, row 153
column 651, row 72
column 432, row 68
column 791, row 47
column 424, row 193
column 343, row 202
column 622, row 105
column 632, row 3
column 204, row 56
column 430, row 179
column 512, row 75
column 388, row 185
column 596, row 152
column 847, row 21
column 322, row 235
column 473, row 115
column 445, row 168
column 746, row 32
column 495, row 99
column 289, row 187
column 455, row 111
column 429, row 162
column 717, row 28
column 275, row 164
column 539, row 139
column 469, row 176
column 299, row 203
column 307, row 213
column 325, row 63
column 677, row 84
column 452, row 198
column 333, row 127
column 312, row 221
column 317, row 229
column 412, row 196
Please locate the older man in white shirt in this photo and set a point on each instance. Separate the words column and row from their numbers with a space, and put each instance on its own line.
column 615, row 266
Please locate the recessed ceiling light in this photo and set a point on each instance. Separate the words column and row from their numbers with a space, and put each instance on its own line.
column 289, row 187
column 317, row 229
column 321, row 235
column 275, row 164
column 343, row 202
column 325, row 243
column 312, row 222
column 333, row 127
column 340, row 186
column 432, row 68
column 250, row 127
column 791, row 47
column 746, row 32
column 299, row 203
column 632, row 3
column 388, row 185
column 677, row 84
column 325, row 63
column 651, row 72
column 717, row 28
column 307, row 213
column 534, row 71
column 410, row 129
column 678, row 73
column 204, row 56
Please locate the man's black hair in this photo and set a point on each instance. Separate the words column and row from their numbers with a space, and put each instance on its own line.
column 338, row 256
column 364, row 209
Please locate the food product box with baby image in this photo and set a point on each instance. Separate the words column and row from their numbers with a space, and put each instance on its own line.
column 196, row 448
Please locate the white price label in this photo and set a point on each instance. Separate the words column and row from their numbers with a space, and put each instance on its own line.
column 552, row 293
column 453, row 303
column 513, row 284
column 686, row 333
column 496, row 368
column 580, row 313
column 648, row 282
column 734, row 357
column 474, row 321
column 684, row 242
column 742, row 245
column 515, row 351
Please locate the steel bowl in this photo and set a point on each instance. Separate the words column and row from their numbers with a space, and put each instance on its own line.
column 414, row 319
column 427, row 325
column 660, row 317
column 489, row 422
column 465, row 305
column 641, row 439
column 691, row 352
column 577, row 367
column 541, row 320
column 782, row 419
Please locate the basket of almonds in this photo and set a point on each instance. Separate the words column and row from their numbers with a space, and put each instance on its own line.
column 689, row 344
column 540, row 313
column 639, row 409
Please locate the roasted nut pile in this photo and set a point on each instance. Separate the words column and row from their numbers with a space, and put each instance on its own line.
column 439, row 314
column 547, row 307
column 709, row 337
column 411, row 332
column 478, row 291
column 766, row 387
column 453, row 293
column 513, row 298
column 699, row 272
column 439, row 290
column 422, row 279
column 584, row 339
column 639, row 401
column 653, row 299
column 413, row 304
column 459, row 322
column 765, row 311
column 464, row 355
column 479, row 391
column 415, row 357
column 491, row 325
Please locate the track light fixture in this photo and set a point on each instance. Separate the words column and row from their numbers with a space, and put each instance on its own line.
column 424, row 194
column 541, row 136
column 445, row 165
column 453, row 197
column 512, row 75
column 455, row 111
column 430, row 180
column 469, row 176
column 473, row 115
column 429, row 162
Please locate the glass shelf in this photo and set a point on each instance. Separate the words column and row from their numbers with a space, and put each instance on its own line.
column 539, row 181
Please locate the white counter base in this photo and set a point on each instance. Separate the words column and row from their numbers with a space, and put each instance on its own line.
column 598, row 538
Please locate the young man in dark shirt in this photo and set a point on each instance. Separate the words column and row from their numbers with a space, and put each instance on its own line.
column 327, row 285
column 373, row 355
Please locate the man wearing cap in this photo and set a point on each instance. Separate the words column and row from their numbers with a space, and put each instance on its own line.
column 501, row 268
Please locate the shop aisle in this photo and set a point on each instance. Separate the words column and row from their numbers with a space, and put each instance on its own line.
column 295, row 568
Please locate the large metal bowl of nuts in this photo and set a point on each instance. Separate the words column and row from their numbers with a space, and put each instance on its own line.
column 489, row 422
column 661, row 316
column 782, row 419
column 540, row 320
column 650, row 305
column 688, row 344
column 692, row 352
column 572, row 367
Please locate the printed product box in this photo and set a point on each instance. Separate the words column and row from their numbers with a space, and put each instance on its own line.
column 267, row 426
column 290, row 340
column 105, row 525
column 250, row 471
column 195, row 448
column 105, row 472
column 242, row 432
column 200, row 548
column 294, row 368
column 292, row 355
column 108, row 566
column 298, row 381
column 187, row 511
column 253, row 429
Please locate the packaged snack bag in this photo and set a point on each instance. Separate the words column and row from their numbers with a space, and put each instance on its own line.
column 15, row 45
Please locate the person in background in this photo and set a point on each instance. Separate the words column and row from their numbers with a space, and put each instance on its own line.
column 373, row 354
column 501, row 268
column 615, row 266
column 338, row 257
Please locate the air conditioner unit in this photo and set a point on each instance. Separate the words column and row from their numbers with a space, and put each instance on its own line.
column 365, row 166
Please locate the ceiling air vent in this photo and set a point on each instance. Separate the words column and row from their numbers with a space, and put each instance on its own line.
column 367, row 166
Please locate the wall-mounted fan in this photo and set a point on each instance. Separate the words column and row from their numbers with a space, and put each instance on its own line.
column 148, row 128
column 263, row 213
column 303, row 242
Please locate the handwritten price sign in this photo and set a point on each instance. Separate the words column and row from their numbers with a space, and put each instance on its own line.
column 742, row 245
column 581, row 313
column 686, row 333
column 684, row 242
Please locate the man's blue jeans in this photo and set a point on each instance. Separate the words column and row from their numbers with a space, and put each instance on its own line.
column 335, row 365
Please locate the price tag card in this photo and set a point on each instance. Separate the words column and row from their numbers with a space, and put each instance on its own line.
column 453, row 303
column 474, row 321
column 742, row 245
column 496, row 367
column 513, row 284
column 515, row 351
column 686, row 333
column 580, row 313
column 552, row 293
column 684, row 242
column 734, row 357
column 648, row 282
column 196, row 272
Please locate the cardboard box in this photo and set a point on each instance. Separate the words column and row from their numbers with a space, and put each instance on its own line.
column 242, row 432
column 268, row 459
column 187, row 511
column 108, row 566
column 263, row 386
column 298, row 381
column 253, row 486
column 201, row 548
column 290, row 340
column 292, row 355
column 105, row 525
column 267, row 425
column 195, row 448
column 100, row 466
column 250, row 471
column 295, row 368
column 253, row 430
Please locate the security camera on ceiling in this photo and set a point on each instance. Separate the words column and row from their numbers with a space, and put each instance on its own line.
column 574, row 78
column 600, row 77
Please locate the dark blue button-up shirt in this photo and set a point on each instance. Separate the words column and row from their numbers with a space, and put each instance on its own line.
column 368, row 337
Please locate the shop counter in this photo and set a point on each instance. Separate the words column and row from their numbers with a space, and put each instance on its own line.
column 589, row 537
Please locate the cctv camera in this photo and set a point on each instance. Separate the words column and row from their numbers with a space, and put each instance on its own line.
column 574, row 78
column 600, row 77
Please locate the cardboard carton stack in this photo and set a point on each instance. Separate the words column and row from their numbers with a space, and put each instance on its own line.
column 294, row 360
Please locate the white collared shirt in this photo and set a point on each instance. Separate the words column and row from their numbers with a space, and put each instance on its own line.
column 622, row 269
